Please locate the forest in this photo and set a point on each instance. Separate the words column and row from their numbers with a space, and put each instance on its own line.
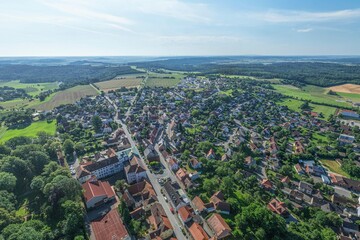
column 68, row 74
column 316, row 73
column 38, row 198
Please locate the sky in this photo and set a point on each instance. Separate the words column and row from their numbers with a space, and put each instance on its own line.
column 179, row 27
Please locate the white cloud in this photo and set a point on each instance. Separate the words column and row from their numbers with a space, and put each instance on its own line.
column 81, row 9
column 199, row 38
column 283, row 16
column 194, row 12
column 304, row 30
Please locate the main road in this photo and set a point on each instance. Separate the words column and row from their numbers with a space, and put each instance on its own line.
column 152, row 178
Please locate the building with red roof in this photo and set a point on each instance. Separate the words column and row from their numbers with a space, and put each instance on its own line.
column 277, row 207
column 185, row 214
column 97, row 192
column 219, row 226
column 197, row 232
column 109, row 227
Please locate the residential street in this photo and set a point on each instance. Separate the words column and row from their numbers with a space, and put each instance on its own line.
column 153, row 180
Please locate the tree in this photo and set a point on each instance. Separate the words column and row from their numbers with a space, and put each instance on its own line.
column 74, row 218
column 226, row 185
column 7, row 181
column 80, row 148
column 210, row 185
column 18, row 167
column 7, row 200
column 6, row 218
column 120, row 184
column 5, row 150
column 124, row 211
column 97, row 123
column 68, row 146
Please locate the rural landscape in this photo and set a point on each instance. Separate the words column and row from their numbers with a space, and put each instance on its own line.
column 162, row 152
column 179, row 120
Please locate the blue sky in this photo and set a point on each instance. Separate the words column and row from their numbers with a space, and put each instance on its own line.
column 179, row 27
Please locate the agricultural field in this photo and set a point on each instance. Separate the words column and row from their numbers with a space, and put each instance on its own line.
column 67, row 96
column 30, row 131
column 121, row 81
column 334, row 167
column 315, row 94
column 32, row 89
column 346, row 88
column 164, row 79
column 295, row 105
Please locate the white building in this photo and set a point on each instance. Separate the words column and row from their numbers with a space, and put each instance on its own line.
column 134, row 172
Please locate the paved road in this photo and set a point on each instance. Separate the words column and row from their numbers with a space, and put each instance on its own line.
column 153, row 179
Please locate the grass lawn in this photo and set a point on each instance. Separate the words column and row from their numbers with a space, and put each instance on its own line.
column 32, row 89
column 121, row 81
column 227, row 92
column 333, row 166
column 164, row 79
column 319, row 139
column 313, row 93
column 29, row 131
column 295, row 105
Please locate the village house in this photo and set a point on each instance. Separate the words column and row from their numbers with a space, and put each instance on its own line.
column 134, row 172
column 219, row 226
column 249, row 162
column 197, row 232
column 97, row 192
column 194, row 163
column 140, row 194
column 346, row 139
column 173, row 195
column 305, row 187
column 277, row 207
column 173, row 164
column 185, row 214
column 218, row 200
column 160, row 223
column 109, row 226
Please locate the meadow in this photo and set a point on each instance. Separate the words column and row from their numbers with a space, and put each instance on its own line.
column 121, row 81
column 30, row 131
column 333, row 166
column 316, row 95
column 32, row 89
column 164, row 79
column 295, row 105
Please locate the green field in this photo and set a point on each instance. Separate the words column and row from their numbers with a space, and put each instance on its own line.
column 56, row 99
column 121, row 81
column 164, row 79
column 333, row 166
column 67, row 96
column 29, row 131
column 295, row 105
column 32, row 89
column 315, row 94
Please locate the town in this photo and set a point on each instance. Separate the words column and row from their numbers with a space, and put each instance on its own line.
column 198, row 160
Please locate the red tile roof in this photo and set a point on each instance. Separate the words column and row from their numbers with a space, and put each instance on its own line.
column 220, row 227
column 94, row 188
column 277, row 207
column 197, row 232
column 184, row 213
column 109, row 226
column 266, row 183
column 199, row 204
